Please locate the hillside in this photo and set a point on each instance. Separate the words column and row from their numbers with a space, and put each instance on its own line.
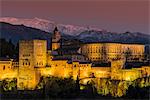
column 21, row 32
column 127, row 37
column 18, row 32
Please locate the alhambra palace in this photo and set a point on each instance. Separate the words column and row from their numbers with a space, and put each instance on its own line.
column 65, row 59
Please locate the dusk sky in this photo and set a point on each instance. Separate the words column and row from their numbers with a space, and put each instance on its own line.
column 112, row 15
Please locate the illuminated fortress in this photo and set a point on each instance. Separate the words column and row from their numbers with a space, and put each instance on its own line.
column 101, row 60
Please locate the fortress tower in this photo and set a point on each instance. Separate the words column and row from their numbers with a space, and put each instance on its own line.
column 32, row 53
column 56, row 37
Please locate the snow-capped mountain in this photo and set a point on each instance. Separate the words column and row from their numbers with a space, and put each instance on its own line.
column 68, row 31
column 127, row 37
column 46, row 25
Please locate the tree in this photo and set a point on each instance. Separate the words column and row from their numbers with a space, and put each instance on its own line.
column 7, row 48
column 128, row 54
column 55, row 87
column 52, row 89
column 122, row 87
column 104, row 86
column 114, row 87
column 9, row 84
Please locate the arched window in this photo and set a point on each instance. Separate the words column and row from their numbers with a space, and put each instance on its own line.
column 4, row 67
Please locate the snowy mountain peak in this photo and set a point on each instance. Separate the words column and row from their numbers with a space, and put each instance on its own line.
column 47, row 25
column 42, row 20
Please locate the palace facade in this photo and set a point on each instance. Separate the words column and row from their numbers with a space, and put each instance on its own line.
column 97, row 52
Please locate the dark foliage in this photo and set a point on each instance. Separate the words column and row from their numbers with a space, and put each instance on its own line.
column 138, row 93
column 8, row 49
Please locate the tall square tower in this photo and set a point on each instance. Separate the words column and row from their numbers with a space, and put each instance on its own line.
column 32, row 53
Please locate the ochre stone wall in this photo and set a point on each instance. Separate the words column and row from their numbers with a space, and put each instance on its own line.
column 27, row 78
column 130, row 74
column 7, row 69
column 6, row 65
column 101, row 72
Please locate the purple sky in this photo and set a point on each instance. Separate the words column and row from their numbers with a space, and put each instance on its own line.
column 112, row 15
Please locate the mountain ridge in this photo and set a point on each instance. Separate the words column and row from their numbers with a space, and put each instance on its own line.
column 86, row 35
column 21, row 32
column 47, row 25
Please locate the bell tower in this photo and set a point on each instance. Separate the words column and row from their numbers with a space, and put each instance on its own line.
column 56, row 37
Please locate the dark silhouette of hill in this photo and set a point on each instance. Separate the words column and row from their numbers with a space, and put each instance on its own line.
column 127, row 37
column 19, row 32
